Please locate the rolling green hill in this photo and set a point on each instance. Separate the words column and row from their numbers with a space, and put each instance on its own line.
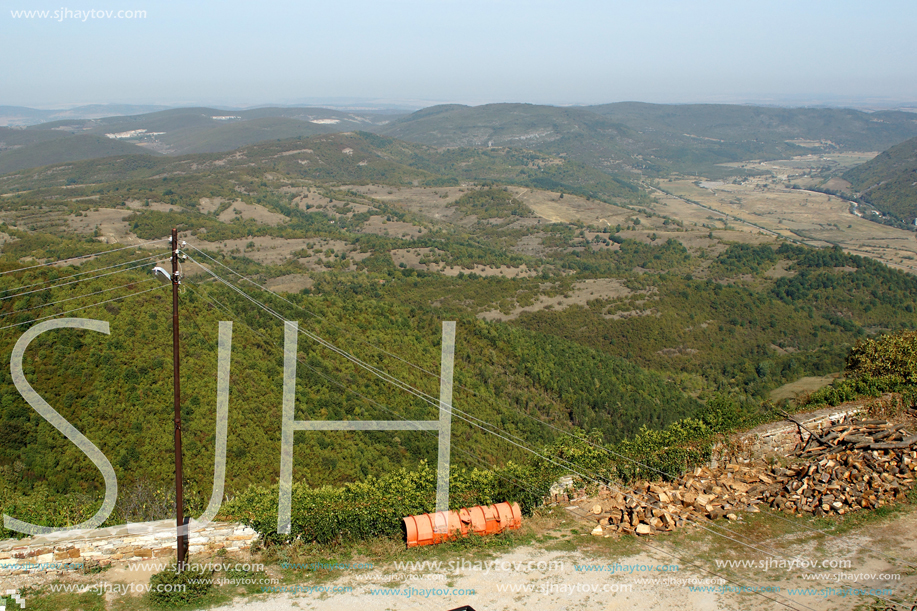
column 65, row 149
column 578, row 133
column 656, row 138
column 889, row 181
column 357, row 157
column 116, row 388
column 764, row 127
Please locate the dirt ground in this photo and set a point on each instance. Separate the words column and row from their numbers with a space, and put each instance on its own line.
column 292, row 283
column 788, row 565
column 571, row 208
column 582, row 292
column 239, row 209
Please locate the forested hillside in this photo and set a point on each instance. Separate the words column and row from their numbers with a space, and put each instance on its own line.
column 889, row 181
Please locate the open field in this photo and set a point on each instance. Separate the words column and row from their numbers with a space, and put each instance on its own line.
column 767, row 205
column 802, row 386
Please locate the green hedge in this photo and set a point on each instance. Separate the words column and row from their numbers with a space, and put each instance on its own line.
column 375, row 507
column 180, row 588
column 42, row 507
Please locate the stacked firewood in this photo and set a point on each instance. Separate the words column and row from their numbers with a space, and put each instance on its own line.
column 865, row 435
column 848, row 467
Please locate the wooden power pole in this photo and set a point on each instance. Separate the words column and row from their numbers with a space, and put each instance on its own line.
column 181, row 550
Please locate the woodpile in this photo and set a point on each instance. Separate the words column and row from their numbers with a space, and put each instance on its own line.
column 866, row 435
column 848, row 467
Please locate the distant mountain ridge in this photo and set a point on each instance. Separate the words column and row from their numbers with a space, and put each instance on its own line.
column 23, row 116
column 621, row 139
column 42, row 152
column 656, row 138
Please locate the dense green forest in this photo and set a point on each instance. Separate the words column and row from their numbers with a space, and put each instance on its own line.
column 117, row 389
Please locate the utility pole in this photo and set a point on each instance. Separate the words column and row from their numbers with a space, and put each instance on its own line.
column 181, row 551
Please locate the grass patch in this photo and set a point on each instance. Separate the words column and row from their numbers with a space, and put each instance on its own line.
column 42, row 599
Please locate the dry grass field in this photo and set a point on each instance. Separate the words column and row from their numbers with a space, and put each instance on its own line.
column 766, row 205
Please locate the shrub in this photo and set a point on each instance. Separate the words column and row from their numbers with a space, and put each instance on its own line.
column 375, row 507
column 892, row 356
column 173, row 588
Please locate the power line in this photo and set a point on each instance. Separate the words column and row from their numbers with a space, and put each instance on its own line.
column 311, row 313
column 369, row 400
column 527, row 449
column 462, row 415
column 48, row 288
column 431, row 400
column 28, row 322
column 96, row 254
column 48, row 305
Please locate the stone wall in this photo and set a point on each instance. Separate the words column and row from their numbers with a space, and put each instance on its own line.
column 783, row 437
column 80, row 549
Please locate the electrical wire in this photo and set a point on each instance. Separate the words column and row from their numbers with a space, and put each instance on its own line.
column 407, row 388
column 369, row 400
column 672, row 554
column 542, row 457
column 476, row 394
column 48, row 305
column 96, row 254
column 29, row 322
column 143, row 262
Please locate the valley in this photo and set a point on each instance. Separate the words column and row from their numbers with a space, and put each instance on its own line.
column 616, row 311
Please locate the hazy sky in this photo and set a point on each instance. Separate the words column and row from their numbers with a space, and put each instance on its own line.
column 468, row 51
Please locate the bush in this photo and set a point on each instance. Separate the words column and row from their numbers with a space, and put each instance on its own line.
column 173, row 588
column 892, row 357
column 375, row 507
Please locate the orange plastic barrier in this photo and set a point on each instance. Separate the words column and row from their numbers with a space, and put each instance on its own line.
column 510, row 516
column 480, row 520
column 422, row 529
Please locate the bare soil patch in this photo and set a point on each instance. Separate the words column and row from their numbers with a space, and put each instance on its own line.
column 396, row 229
column 582, row 292
column 802, row 386
column 136, row 204
column 263, row 249
column 291, row 283
column 430, row 201
column 109, row 222
column 240, row 209
column 571, row 208
column 209, row 204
